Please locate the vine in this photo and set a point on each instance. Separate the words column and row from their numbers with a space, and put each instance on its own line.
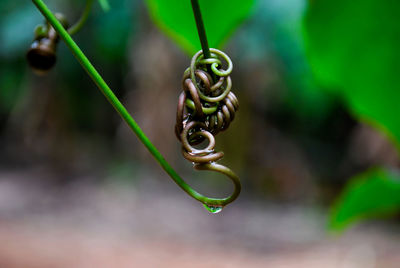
column 201, row 65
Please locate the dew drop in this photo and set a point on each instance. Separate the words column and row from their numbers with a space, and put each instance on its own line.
column 213, row 209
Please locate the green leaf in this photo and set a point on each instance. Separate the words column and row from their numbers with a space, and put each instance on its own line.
column 353, row 48
column 176, row 19
column 371, row 194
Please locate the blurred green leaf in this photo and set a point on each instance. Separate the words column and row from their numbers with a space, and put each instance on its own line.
column 371, row 194
column 221, row 18
column 353, row 48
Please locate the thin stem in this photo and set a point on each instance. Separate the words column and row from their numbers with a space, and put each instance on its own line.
column 79, row 24
column 200, row 28
column 108, row 93
column 202, row 35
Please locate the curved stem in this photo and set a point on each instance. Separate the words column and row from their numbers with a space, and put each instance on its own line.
column 79, row 24
column 105, row 89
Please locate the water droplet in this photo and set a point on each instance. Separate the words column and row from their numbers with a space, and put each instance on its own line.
column 213, row 209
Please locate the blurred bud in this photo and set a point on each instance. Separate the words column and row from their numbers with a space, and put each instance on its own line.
column 42, row 54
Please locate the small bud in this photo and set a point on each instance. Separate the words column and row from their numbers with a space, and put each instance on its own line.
column 42, row 54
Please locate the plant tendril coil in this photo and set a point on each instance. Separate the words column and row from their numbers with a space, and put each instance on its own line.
column 205, row 108
column 213, row 205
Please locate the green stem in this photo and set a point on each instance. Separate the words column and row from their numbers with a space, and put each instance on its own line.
column 200, row 28
column 79, row 24
column 202, row 35
column 104, row 88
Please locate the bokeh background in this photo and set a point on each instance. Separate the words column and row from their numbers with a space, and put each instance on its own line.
column 315, row 141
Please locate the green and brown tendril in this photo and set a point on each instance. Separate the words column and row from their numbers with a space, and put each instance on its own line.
column 205, row 107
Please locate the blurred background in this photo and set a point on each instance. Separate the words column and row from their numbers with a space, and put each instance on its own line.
column 315, row 141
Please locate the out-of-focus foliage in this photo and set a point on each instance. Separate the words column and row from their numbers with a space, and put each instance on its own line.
column 14, row 39
column 371, row 194
column 353, row 50
column 275, row 30
column 221, row 18
column 104, row 5
column 353, row 47
column 113, row 30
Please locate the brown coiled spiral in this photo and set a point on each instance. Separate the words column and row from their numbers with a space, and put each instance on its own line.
column 206, row 106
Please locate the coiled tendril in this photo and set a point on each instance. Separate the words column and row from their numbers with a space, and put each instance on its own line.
column 214, row 205
column 206, row 106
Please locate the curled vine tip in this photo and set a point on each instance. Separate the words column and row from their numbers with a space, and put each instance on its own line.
column 209, row 116
column 205, row 108
column 42, row 54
